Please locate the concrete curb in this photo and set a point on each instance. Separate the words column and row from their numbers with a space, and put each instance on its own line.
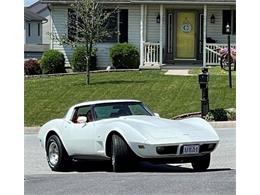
column 31, row 130
column 222, row 124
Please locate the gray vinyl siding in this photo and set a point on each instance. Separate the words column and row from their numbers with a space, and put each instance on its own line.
column 46, row 26
column 59, row 27
column 134, row 17
column 153, row 28
column 215, row 30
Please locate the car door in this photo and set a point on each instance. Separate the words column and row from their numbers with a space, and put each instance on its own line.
column 80, row 136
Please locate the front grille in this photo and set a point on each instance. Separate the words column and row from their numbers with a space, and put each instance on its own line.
column 167, row 149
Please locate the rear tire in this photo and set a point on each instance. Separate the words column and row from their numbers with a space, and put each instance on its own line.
column 201, row 163
column 121, row 154
column 57, row 157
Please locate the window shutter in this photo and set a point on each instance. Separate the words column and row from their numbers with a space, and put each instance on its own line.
column 123, row 26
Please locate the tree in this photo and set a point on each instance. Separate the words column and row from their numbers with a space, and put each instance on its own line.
column 88, row 23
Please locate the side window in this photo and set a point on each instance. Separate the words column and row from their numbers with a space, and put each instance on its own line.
column 83, row 111
column 137, row 109
column 103, row 112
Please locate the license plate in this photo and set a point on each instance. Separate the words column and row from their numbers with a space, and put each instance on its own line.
column 191, row 149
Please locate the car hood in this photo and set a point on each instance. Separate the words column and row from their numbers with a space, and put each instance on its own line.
column 159, row 128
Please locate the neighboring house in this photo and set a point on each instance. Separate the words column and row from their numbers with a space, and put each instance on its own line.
column 42, row 10
column 166, row 32
column 33, row 47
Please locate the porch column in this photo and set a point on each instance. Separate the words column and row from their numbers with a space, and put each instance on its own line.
column 145, row 23
column 142, row 37
column 161, row 34
column 204, row 35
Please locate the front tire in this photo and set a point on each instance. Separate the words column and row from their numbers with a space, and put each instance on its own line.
column 120, row 154
column 201, row 163
column 224, row 63
column 57, row 157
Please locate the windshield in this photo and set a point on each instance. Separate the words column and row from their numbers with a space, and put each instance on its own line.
column 113, row 110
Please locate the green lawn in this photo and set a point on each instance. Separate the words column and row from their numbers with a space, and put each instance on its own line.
column 49, row 98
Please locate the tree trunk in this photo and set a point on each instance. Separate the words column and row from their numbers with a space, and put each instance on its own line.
column 89, row 52
column 87, row 71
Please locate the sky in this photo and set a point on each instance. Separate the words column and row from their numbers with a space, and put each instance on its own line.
column 29, row 2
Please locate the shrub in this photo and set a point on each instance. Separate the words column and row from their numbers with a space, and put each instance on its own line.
column 209, row 116
column 218, row 114
column 78, row 60
column 32, row 67
column 231, row 114
column 124, row 56
column 53, row 61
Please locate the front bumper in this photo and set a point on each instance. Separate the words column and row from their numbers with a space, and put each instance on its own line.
column 172, row 150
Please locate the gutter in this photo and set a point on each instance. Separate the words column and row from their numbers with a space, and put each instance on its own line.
column 152, row 2
column 69, row 2
column 186, row 3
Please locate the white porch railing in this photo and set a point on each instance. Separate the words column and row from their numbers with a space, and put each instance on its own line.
column 151, row 54
column 212, row 56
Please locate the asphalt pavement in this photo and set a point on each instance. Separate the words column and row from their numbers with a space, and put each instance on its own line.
column 96, row 178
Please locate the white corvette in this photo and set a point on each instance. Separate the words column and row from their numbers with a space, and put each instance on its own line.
column 124, row 131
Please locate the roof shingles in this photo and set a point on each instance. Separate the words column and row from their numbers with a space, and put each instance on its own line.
column 31, row 16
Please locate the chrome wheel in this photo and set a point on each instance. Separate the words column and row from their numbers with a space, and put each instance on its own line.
column 53, row 153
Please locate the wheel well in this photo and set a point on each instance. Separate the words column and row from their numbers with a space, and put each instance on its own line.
column 50, row 133
column 109, row 142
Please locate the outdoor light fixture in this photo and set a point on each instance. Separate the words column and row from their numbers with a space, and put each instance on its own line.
column 212, row 19
column 158, row 18
column 227, row 29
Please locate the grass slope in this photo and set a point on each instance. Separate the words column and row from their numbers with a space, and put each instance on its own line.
column 49, row 98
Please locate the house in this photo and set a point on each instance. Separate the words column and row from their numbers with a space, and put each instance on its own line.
column 36, row 26
column 166, row 32
column 42, row 10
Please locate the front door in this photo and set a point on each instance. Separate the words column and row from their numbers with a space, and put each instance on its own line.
column 80, row 137
column 185, row 35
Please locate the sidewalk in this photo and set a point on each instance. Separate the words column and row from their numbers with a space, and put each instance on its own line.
column 181, row 72
column 223, row 124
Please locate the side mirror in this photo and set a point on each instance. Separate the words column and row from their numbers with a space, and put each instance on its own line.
column 81, row 119
column 156, row 114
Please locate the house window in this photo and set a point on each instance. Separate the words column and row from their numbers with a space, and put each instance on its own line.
column 39, row 29
column 229, row 17
column 117, row 24
column 29, row 29
column 112, row 27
